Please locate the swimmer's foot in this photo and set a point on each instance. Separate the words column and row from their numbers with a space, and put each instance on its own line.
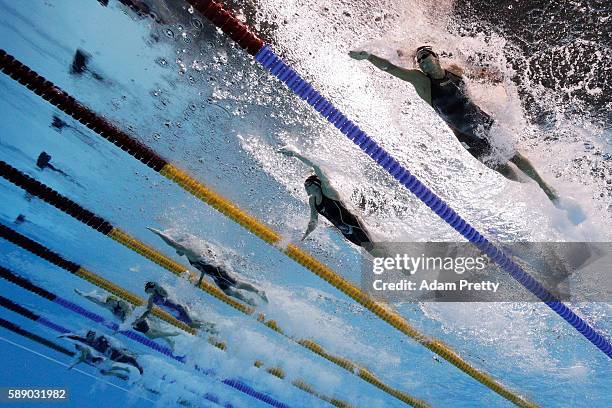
column 206, row 326
column 574, row 211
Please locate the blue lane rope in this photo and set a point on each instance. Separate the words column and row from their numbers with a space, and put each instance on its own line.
column 280, row 69
column 28, row 285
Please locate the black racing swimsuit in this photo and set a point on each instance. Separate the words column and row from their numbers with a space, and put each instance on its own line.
column 223, row 279
column 348, row 224
column 103, row 346
column 469, row 123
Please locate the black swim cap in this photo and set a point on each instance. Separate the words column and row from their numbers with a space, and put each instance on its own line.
column 427, row 51
column 313, row 179
column 150, row 285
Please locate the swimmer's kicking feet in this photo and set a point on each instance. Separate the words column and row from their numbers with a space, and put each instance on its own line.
column 325, row 200
column 207, row 265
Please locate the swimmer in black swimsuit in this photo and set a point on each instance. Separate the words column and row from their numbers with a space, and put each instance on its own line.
column 87, row 355
column 206, row 264
column 447, row 94
column 325, row 200
column 122, row 310
column 159, row 296
column 103, row 346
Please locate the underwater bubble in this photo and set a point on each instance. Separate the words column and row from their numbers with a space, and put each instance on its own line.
column 161, row 61
column 169, row 33
column 196, row 23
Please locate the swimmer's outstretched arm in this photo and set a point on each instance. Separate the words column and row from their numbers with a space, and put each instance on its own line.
column 94, row 297
column 326, row 186
column 419, row 80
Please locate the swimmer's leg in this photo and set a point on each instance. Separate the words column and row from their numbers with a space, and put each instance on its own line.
column 165, row 336
column 229, row 291
column 200, row 280
column 208, row 327
column 508, row 172
column 526, row 167
column 248, row 287
column 112, row 372
column 94, row 297
column 156, row 334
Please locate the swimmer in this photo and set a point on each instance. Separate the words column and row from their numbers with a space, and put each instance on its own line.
column 158, row 296
column 102, row 345
column 44, row 162
column 446, row 92
column 207, row 265
column 122, row 310
column 325, row 200
column 88, row 356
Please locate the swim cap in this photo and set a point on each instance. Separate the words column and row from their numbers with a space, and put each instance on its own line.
column 424, row 51
column 150, row 285
column 313, row 179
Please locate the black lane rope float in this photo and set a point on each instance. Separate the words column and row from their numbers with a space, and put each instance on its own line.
column 8, row 325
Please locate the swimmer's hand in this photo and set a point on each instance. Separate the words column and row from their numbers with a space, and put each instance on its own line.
column 359, row 55
column 210, row 328
column 311, row 227
column 288, row 151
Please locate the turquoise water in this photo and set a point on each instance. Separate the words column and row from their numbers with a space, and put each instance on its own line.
column 185, row 91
